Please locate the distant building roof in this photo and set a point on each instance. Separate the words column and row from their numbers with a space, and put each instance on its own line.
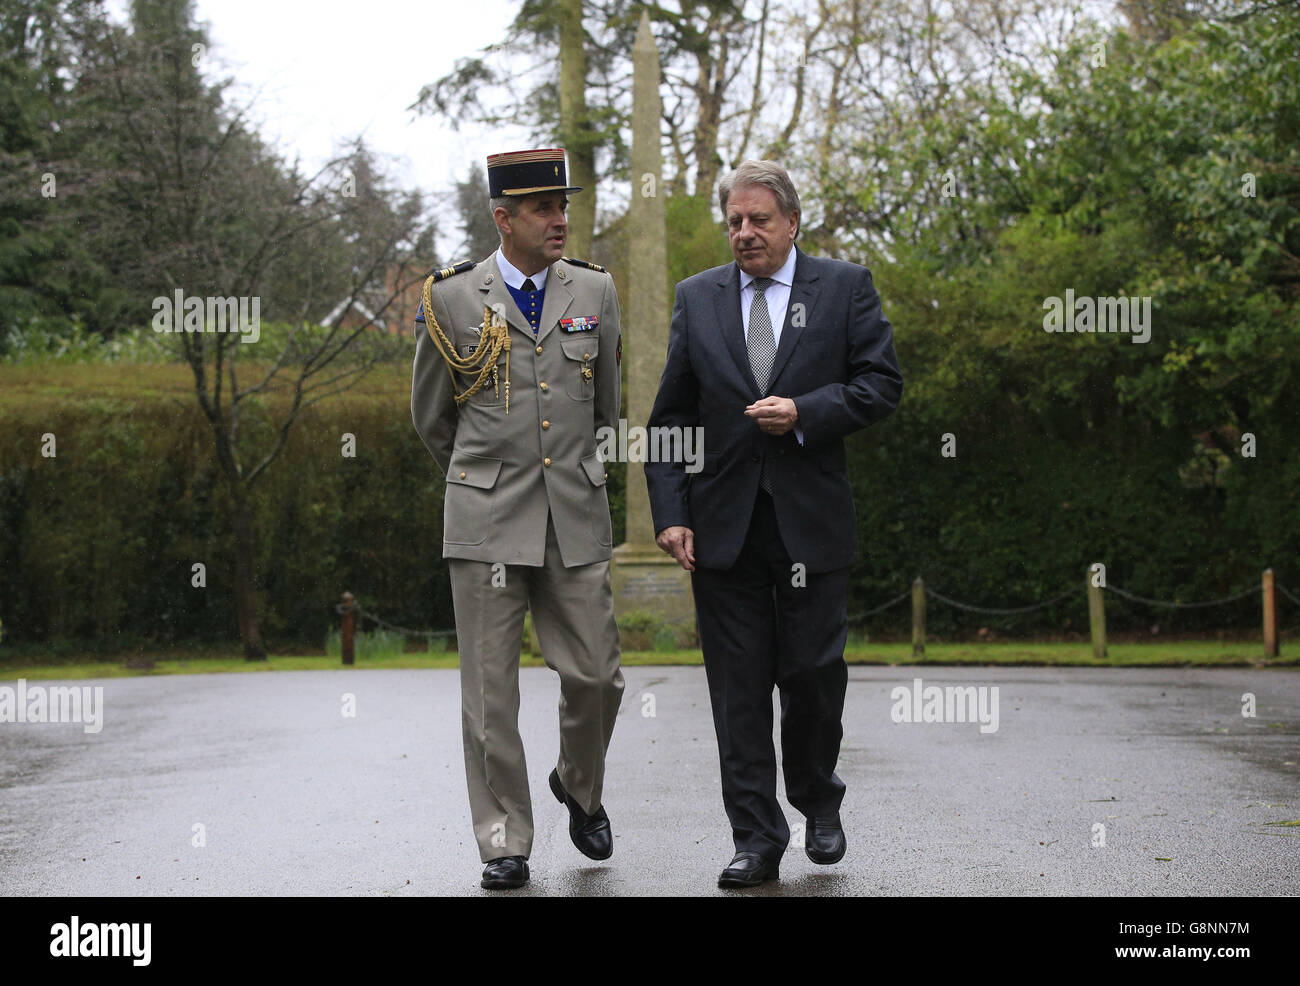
column 357, row 307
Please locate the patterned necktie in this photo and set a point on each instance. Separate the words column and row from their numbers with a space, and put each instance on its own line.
column 528, row 285
column 762, row 340
column 762, row 353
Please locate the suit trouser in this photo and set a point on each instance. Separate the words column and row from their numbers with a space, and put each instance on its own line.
column 573, row 619
column 759, row 630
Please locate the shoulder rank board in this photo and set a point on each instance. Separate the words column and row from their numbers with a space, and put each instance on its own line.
column 442, row 273
column 445, row 272
column 584, row 263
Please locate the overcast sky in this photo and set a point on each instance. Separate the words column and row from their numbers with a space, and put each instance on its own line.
column 328, row 72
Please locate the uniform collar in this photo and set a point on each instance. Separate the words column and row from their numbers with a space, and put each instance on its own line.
column 496, row 291
column 784, row 274
column 515, row 277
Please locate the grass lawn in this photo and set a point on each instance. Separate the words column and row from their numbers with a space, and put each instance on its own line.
column 1029, row 653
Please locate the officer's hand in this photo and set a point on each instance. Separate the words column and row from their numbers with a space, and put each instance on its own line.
column 680, row 543
column 773, row 415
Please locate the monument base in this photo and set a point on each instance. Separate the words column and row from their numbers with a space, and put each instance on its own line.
column 649, row 584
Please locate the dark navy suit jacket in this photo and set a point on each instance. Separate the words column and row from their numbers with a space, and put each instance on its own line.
column 835, row 359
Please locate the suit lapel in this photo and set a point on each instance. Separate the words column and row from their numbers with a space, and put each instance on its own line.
column 726, row 301
column 496, row 295
column 803, row 292
column 556, row 301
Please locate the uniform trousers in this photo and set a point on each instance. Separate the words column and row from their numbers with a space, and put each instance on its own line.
column 573, row 621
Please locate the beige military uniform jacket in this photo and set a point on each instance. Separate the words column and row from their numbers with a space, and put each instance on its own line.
column 504, row 471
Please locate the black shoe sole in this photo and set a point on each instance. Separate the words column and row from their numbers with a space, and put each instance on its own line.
column 504, row 884
column 557, row 789
column 825, row 860
column 733, row 884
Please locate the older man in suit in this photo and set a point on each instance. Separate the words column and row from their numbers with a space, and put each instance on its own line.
column 516, row 367
column 778, row 356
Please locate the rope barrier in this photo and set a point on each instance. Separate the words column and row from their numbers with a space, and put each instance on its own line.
column 414, row 633
column 362, row 612
column 999, row 610
column 969, row 607
column 893, row 602
column 1171, row 605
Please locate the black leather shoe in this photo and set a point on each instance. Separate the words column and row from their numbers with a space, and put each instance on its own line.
column 749, row 869
column 505, row 873
column 590, row 833
column 823, row 839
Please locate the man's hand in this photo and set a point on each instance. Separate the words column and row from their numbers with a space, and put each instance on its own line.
column 680, row 543
column 774, row 415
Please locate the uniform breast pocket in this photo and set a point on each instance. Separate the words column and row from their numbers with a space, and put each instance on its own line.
column 580, row 364
column 493, row 390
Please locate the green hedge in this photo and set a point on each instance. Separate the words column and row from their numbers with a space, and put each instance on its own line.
column 97, row 544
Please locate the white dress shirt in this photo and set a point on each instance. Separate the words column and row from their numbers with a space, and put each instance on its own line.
column 515, row 277
column 777, row 296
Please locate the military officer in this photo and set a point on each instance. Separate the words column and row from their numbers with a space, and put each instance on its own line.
column 516, row 367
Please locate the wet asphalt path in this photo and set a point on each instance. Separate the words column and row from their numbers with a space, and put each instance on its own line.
column 294, row 797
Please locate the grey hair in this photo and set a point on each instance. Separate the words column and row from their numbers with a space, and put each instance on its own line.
column 769, row 174
column 508, row 202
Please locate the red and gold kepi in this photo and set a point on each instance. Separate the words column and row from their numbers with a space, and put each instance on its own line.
column 528, row 172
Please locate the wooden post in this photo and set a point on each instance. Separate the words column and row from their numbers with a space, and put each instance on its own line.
column 918, row 618
column 1096, row 618
column 1270, row 616
column 349, row 629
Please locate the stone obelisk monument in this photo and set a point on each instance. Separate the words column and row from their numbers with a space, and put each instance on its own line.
column 644, row 578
